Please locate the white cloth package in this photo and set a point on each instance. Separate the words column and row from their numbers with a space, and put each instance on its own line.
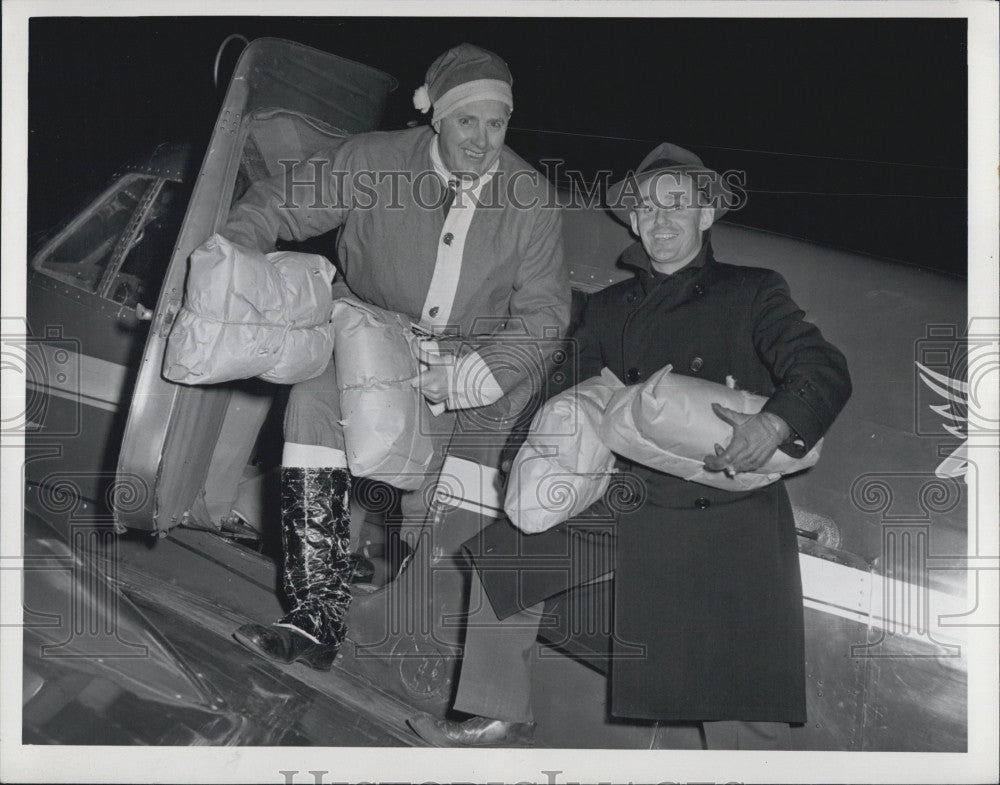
column 667, row 423
column 563, row 467
column 249, row 314
column 375, row 358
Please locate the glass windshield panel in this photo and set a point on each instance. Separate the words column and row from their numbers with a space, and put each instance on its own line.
column 80, row 254
column 141, row 274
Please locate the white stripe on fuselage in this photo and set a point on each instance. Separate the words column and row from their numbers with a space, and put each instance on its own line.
column 900, row 608
column 78, row 377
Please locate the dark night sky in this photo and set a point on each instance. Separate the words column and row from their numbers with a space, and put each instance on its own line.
column 865, row 120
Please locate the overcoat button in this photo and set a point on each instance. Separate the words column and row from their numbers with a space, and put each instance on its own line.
column 701, row 503
column 632, row 297
column 448, row 238
column 699, row 289
column 697, row 364
column 433, row 312
column 632, row 375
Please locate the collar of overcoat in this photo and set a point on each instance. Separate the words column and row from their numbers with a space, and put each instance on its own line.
column 635, row 257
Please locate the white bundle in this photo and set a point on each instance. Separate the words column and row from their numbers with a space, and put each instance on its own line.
column 374, row 356
column 667, row 423
column 249, row 314
column 563, row 467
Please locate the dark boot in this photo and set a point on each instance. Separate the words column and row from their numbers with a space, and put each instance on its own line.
column 315, row 521
column 286, row 644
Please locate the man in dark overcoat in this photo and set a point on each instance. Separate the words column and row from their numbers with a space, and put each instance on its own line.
column 707, row 584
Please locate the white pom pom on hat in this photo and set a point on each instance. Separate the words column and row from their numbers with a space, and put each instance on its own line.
column 422, row 99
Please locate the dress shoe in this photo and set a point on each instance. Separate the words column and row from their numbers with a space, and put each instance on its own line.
column 285, row 644
column 474, row 732
column 362, row 568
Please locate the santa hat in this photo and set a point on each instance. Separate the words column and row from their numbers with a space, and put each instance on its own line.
column 460, row 76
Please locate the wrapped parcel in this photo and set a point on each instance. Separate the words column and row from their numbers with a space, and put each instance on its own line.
column 563, row 467
column 667, row 423
column 249, row 314
column 375, row 359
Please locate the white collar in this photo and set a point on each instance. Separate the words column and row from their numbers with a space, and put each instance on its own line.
column 446, row 176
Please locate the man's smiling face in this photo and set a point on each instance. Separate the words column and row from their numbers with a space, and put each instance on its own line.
column 470, row 140
column 668, row 221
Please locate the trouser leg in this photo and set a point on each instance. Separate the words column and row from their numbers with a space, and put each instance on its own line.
column 520, row 572
column 312, row 416
column 495, row 676
column 357, row 523
column 739, row 735
column 417, row 507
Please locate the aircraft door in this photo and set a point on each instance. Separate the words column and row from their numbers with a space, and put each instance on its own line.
column 285, row 101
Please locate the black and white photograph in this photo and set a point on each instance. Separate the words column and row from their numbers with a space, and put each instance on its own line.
column 532, row 392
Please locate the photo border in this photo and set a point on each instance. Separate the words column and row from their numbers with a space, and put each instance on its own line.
column 127, row 764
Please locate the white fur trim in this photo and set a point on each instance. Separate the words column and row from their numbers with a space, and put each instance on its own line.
column 313, row 456
column 466, row 93
column 473, row 384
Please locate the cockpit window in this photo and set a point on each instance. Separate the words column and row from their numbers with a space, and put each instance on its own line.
column 119, row 247
column 80, row 253
column 146, row 259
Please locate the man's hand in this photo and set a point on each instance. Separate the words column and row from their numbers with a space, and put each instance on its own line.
column 465, row 383
column 435, row 377
column 755, row 438
column 433, row 383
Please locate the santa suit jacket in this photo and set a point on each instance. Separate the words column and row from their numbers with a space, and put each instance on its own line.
column 382, row 189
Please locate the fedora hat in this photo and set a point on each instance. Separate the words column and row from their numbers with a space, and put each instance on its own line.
column 622, row 197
